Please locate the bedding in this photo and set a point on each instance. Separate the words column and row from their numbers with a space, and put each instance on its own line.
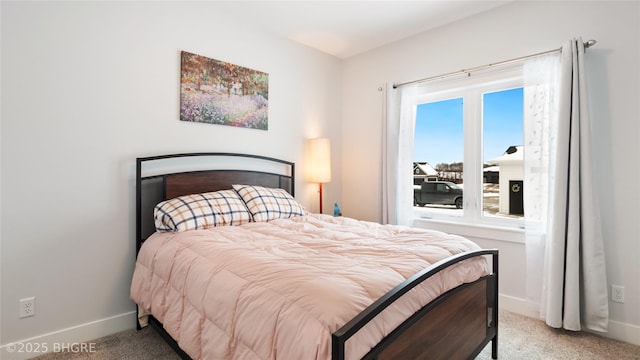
column 269, row 203
column 279, row 289
column 201, row 211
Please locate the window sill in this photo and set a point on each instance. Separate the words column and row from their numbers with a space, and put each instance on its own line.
column 515, row 235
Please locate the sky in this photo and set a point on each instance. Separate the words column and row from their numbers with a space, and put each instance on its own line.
column 439, row 127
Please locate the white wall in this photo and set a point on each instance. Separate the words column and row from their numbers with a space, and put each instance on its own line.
column 86, row 88
column 510, row 31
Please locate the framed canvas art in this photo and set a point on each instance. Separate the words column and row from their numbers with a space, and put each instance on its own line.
column 217, row 92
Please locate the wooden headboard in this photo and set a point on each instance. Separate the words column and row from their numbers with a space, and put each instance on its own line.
column 163, row 177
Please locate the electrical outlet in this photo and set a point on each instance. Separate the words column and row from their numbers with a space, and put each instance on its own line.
column 27, row 307
column 617, row 293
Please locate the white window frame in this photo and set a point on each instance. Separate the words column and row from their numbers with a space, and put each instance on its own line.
column 471, row 89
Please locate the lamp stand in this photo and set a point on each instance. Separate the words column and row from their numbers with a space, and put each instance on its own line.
column 320, row 198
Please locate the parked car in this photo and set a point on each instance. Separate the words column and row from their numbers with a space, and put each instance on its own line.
column 437, row 192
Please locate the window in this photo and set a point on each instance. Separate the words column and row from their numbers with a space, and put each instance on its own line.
column 469, row 132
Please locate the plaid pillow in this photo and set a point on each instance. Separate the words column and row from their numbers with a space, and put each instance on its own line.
column 201, row 211
column 266, row 204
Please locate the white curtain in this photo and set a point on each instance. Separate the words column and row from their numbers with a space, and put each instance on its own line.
column 399, row 114
column 566, row 278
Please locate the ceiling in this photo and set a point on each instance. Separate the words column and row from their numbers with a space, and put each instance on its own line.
column 347, row 28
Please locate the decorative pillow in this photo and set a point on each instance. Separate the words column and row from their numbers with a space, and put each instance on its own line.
column 266, row 204
column 201, row 211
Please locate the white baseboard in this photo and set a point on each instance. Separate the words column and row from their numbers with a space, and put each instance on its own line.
column 623, row 332
column 76, row 339
column 515, row 305
column 617, row 330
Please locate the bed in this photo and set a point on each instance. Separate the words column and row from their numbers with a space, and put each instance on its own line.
column 283, row 283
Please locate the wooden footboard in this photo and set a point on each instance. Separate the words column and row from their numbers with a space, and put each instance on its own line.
column 450, row 330
column 456, row 325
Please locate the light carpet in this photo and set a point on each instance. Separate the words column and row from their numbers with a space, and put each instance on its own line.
column 520, row 337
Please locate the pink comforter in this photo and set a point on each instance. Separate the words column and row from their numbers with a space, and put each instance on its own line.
column 278, row 290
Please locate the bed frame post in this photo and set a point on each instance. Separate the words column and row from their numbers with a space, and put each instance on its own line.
column 494, row 341
column 138, row 219
column 138, row 203
column 337, row 347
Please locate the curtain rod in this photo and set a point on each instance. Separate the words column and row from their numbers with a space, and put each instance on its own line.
column 587, row 44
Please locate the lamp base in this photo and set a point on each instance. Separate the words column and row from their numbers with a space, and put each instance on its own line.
column 320, row 191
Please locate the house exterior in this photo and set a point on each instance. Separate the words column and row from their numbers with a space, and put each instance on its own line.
column 491, row 174
column 510, row 179
column 422, row 172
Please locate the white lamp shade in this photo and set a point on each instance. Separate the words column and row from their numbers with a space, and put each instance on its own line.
column 319, row 160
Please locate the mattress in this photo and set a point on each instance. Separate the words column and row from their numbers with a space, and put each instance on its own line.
column 279, row 289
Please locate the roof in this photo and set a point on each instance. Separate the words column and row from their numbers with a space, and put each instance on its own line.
column 511, row 155
column 426, row 169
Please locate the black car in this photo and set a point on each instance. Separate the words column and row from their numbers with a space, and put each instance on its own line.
column 437, row 192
